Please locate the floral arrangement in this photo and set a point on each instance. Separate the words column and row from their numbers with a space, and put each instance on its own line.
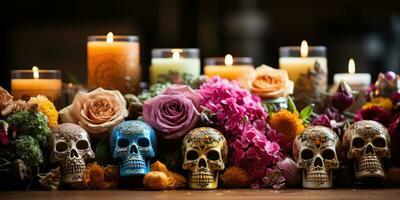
column 259, row 134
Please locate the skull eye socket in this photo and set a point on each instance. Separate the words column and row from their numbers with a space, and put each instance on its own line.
column 379, row 142
column 122, row 143
column 213, row 155
column 82, row 145
column 328, row 154
column 358, row 142
column 192, row 155
column 307, row 154
column 61, row 146
column 143, row 142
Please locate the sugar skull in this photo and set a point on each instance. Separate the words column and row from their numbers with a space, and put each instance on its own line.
column 315, row 150
column 133, row 145
column 205, row 153
column 71, row 147
column 367, row 143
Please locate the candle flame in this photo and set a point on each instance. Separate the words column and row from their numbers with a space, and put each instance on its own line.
column 304, row 49
column 35, row 71
column 228, row 59
column 110, row 37
column 176, row 53
column 352, row 66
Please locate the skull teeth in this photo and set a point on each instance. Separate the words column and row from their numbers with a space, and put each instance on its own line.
column 317, row 177
column 135, row 164
column 370, row 165
column 73, row 169
column 202, row 178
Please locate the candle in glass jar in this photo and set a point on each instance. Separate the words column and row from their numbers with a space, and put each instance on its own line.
column 355, row 80
column 114, row 63
column 30, row 83
column 173, row 65
column 230, row 68
column 298, row 60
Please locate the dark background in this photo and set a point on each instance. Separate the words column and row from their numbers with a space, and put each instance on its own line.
column 53, row 34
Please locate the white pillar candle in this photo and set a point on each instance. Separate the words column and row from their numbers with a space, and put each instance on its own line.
column 355, row 80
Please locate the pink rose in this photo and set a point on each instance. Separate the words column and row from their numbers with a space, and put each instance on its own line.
column 97, row 111
column 174, row 112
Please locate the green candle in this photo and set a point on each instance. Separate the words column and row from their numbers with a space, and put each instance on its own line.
column 174, row 65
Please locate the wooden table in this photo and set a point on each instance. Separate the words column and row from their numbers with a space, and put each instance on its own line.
column 247, row 194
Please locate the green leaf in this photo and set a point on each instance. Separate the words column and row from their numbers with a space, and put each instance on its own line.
column 269, row 108
column 291, row 106
column 306, row 112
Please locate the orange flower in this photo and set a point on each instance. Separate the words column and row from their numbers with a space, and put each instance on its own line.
column 382, row 102
column 287, row 123
column 271, row 83
column 156, row 181
column 98, row 177
column 235, row 177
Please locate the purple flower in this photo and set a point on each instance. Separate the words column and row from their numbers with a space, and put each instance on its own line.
column 290, row 171
column 174, row 112
column 4, row 133
column 343, row 97
column 375, row 113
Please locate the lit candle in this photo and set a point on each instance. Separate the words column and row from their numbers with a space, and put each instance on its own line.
column 298, row 60
column 114, row 63
column 173, row 65
column 231, row 68
column 30, row 83
column 355, row 80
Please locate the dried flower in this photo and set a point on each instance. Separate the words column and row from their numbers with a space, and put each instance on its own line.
column 235, row 177
column 271, row 83
column 343, row 97
column 273, row 178
column 287, row 123
column 156, row 180
column 97, row 111
column 174, row 112
column 51, row 180
column 98, row 177
column 47, row 108
column 5, row 100
column 385, row 103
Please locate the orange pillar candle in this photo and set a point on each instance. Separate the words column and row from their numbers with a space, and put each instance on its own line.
column 114, row 63
column 30, row 83
column 230, row 68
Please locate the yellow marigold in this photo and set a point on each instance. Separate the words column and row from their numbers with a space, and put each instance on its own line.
column 287, row 123
column 235, row 177
column 47, row 108
column 382, row 102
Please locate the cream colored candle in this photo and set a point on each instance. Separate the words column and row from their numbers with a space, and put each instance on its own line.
column 296, row 65
column 114, row 63
column 355, row 80
column 36, row 82
column 230, row 68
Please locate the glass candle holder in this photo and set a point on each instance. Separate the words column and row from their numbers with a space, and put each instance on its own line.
column 307, row 68
column 30, row 83
column 174, row 65
column 114, row 63
column 228, row 67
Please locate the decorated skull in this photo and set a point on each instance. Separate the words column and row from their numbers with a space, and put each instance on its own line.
column 71, row 147
column 367, row 142
column 315, row 151
column 133, row 145
column 205, row 153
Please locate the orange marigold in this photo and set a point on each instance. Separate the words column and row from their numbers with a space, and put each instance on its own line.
column 235, row 177
column 382, row 102
column 287, row 123
column 46, row 107
column 94, row 176
column 156, row 180
column 175, row 180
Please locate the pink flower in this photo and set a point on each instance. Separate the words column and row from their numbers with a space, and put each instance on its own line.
column 4, row 133
column 174, row 112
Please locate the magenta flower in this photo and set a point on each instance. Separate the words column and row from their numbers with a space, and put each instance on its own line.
column 290, row 171
column 274, row 178
column 343, row 97
column 174, row 112
column 4, row 133
column 375, row 113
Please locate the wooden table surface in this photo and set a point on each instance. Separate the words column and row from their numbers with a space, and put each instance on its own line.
column 247, row 194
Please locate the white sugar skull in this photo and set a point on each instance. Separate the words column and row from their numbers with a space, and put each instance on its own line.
column 71, row 147
column 315, row 150
column 205, row 153
column 133, row 145
column 367, row 143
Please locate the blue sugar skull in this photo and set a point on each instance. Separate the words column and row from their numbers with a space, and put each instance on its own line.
column 133, row 145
